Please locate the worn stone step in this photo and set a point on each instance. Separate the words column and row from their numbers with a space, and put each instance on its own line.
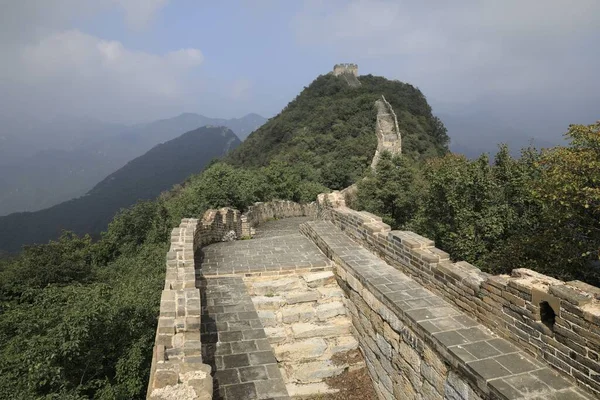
column 298, row 313
column 316, row 279
column 330, row 310
column 276, row 334
column 275, row 287
column 314, row 371
column 343, row 344
column 268, row 302
column 310, row 389
column 302, row 297
column 330, row 292
column 336, row 327
column 269, row 319
column 301, row 350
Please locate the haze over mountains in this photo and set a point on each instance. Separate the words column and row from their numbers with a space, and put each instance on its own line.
column 45, row 163
column 143, row 178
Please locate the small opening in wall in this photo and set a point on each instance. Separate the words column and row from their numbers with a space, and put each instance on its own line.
column 547, row 314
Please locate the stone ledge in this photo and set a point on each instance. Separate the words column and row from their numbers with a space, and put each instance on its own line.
column 492, row 366
column 568, row 337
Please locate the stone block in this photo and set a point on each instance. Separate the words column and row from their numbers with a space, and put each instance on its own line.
column 333, row 328
column 330, row 310
column 297, row 313
column 298, row 390
column 316, row 371
column 302, row 297
column 317, row 279
column 268, row 318
column 268, row 302
column 276, row 334
column 571, row 294
column 275, row 286
column 165, row 377
column 301, row 350
column 343, row 344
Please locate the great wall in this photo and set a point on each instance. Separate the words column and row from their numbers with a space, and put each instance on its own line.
column 276, row 302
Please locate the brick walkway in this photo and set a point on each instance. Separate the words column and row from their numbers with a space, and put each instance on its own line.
column 277, row 246
column 234, row 343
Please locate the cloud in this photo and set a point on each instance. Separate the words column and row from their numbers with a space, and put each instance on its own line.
column 82, row 58
column 22, row 20
column 77, row 73
column 138, row 13
column 461, row 50
column 240, row 89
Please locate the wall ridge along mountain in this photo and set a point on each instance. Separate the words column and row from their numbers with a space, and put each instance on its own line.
column 428, row 327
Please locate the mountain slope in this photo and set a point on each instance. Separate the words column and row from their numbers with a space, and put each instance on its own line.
column 95, row 304
column 330, row 126
column 143, row 178
column 51, row 176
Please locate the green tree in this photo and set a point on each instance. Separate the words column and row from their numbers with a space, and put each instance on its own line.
column 392, row 191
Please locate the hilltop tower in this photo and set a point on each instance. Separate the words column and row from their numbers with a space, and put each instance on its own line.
column 339, row 69
column 349, row 72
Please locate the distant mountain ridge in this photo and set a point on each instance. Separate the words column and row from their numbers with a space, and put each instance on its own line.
column 46, row 178
column 472, row 136
column 142, row 178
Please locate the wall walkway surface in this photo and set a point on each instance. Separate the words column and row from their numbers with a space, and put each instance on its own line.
column 554, row 321
column 428, row 328
column 232, row 312
column 418, row 346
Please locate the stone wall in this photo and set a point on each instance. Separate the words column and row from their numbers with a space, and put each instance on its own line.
column 401, row 363
column 177, row 370
column 345, row 68
column 387, row 130
column 349, row 72
column 276, row 209
column 556, row 321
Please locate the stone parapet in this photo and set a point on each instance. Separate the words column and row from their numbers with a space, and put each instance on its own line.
column 276, row 209
column 552, row 320
column 177, row 370
column 418, row 346
column 388, row 133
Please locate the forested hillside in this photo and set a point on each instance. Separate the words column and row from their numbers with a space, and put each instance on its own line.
column 144, row 178
column 538, row 211
column 330, row 128
column 78, row 316
column 79, row 154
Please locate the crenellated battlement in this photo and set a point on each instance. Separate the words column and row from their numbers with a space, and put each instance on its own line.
column 345, row 68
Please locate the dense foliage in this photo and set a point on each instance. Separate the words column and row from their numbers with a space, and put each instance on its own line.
column 143, row 178
column 78, row 317
column 540, row 211
column 329, row 128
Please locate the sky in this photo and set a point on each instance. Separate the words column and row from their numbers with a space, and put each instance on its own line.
column 533, row 63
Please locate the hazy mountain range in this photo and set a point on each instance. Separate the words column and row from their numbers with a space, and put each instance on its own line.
column 143, row 178
column 474, row 136
column 44, row 163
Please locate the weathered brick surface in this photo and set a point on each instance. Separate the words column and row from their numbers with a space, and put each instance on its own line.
column 177, row 369
column 415, row 344
column 262, row 212
column 509, row 305
column 418, row 345
column 235, row 345
column 271, row 253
